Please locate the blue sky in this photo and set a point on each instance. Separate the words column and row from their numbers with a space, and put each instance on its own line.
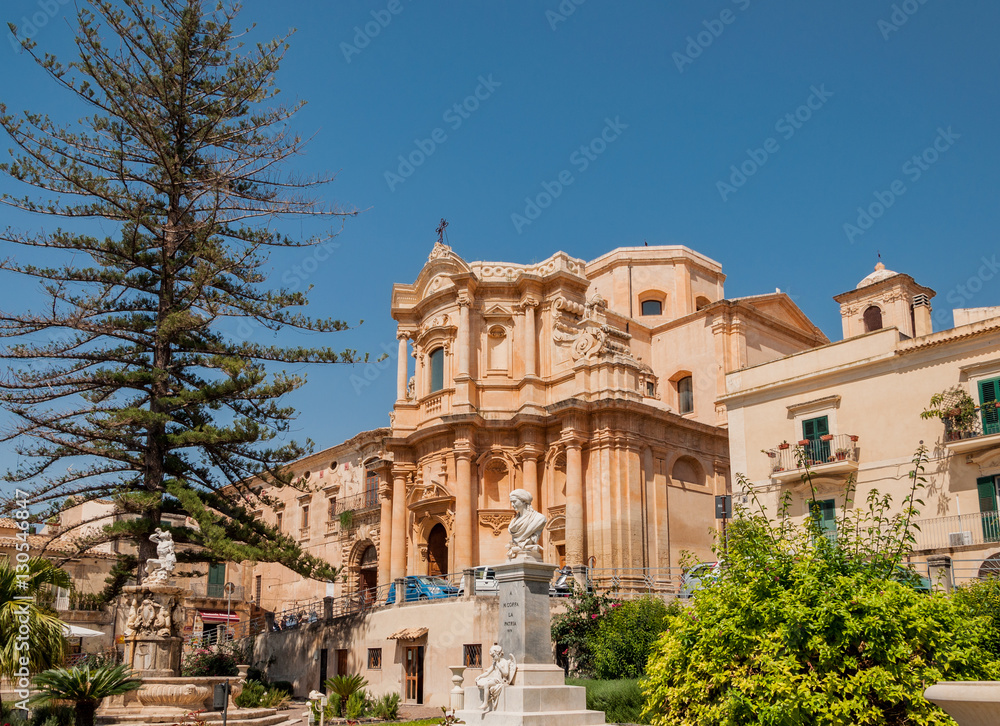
column 821, row 107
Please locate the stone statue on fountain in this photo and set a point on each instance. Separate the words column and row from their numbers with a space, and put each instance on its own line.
column 159, row 570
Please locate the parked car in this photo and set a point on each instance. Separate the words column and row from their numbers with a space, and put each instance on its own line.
column 486, row 582
column 423, row 587
column 698, row 577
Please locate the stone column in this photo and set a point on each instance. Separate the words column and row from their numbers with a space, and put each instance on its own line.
column 463, row 335
column 398, row 548
column 385, row 535
column 530, row 337
column 401, row 367
column 529, row 470
column 939, row 572
column 574, row 503
column 465, row 510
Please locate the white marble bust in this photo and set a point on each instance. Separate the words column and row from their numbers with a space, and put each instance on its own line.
column 526, row 527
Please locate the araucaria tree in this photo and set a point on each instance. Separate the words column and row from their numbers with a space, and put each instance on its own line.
column 129, row 382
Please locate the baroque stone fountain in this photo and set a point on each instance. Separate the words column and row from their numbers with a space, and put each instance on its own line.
column 523, row 685
column 153, row 646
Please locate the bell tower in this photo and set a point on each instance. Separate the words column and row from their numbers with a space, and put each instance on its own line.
column 886, row 299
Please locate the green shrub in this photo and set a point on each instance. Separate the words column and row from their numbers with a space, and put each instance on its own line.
column 250, row 695
column 344, row 686
column 621, row 700
column 801, row 629
column 387, row 707
column 982, row 597
column 355, row 707
column 52, row 716
column 255, row 695
column 209, row 662
column 331, row 711
column 625, row 635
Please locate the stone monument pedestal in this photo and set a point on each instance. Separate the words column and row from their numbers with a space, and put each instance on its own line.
column 155, row 616
column 538, row 694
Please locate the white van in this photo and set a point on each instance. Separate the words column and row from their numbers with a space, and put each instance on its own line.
column 486, row 582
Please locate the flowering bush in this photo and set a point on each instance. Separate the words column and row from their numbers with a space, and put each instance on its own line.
column 572, row 630
column 207, row 662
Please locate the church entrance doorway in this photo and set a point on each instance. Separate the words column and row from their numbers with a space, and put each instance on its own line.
column 437, row 551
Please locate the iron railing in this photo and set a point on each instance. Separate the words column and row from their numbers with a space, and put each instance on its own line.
column 959, row 530
column 985, row 423
column 827, row 449
column 356, row 502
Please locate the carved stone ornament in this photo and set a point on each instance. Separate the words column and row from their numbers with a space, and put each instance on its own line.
column 438, row 251
column 497, row 521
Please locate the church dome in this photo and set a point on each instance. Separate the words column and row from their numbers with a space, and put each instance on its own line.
column 880, row 274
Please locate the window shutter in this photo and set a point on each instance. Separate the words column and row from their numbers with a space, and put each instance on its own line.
column 813, row 428
column 988, row 395
column 987, row 494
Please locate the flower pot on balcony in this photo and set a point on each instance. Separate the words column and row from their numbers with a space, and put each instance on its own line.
column 841, row 455
column 783, row 446
column 804, row 442
column 831, row 458
column 854, row 438
column 826, row 437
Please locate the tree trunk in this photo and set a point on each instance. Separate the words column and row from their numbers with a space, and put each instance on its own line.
column 85, row 712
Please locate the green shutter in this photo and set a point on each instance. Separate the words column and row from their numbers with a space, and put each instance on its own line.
column 825, row 511
column 988, row 506
column 817, row 451
column 987, row 494
column 813, row 428
column 216, row 579
column 988, row 395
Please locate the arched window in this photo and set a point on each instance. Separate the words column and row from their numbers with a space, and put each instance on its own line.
column 701, row 302
column 652, row 307
column 685, row 395
column 873, row 319
column 437, row 369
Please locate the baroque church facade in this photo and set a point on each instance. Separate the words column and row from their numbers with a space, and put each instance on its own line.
column 592, row 385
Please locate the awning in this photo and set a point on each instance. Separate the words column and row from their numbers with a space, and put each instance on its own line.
column 408, row 634
column 75, row 631
column 213, row 616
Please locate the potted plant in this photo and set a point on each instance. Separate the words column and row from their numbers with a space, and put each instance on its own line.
column 826, row 437
column 841, row 454
column 783, row 445
column 770, row 454
column 804, row 442
column 956, row 408
column 854, row 438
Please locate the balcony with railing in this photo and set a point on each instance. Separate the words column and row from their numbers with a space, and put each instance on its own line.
column 971, row 433
column 961, row 530
column 829, row 455
column 356, row 503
